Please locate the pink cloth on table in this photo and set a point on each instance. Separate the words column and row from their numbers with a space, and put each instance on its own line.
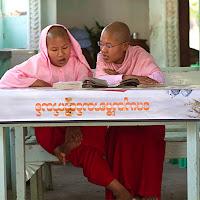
column 39, row 67
column 136, row 62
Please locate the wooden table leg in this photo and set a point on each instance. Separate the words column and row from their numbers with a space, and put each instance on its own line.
column 3, row 185
column 20, row 163
column 193, row 160
column 36, row 185
column 13, row 162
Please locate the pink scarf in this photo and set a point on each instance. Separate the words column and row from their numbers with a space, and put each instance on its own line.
column 136, row 62
column 39, row 67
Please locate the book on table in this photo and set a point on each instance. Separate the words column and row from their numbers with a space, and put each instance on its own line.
column 95, row 83
column 100, row 83
column 68, row 85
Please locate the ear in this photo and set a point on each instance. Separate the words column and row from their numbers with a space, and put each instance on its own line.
column 125, row 46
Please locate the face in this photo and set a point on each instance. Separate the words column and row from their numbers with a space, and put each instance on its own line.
column 115, row 54
column 59, row 50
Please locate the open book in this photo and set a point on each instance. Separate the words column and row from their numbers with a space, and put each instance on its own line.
column 99, row 83
column 68, row 85
column 95, row 83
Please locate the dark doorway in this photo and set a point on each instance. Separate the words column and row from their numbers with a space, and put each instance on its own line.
column 188, row 55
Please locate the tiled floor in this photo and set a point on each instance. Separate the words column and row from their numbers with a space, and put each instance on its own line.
column 70, row 184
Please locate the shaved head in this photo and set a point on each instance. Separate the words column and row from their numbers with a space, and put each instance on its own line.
column 119, row 30
column 117, row 36
column 58, row 46
column 57, row 31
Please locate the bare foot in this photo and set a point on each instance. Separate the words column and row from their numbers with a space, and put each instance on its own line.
column 150, row 198
column 124, row 195
column 139, row 197
column 119, row 191
column 62, row 151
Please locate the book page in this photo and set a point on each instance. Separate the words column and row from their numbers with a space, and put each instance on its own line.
column 68, row 85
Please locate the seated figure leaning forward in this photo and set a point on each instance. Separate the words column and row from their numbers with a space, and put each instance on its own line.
column 135, row 154
column 61, row 59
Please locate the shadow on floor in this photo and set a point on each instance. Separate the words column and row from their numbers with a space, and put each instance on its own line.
column 69, row 183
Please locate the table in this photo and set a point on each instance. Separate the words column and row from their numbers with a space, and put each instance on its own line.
column 141, row 106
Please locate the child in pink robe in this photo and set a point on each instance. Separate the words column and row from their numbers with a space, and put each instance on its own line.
column 39, row 67
column 61, row 59
column 135, row 154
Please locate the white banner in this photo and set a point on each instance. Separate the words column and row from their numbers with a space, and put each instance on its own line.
column 40, row 104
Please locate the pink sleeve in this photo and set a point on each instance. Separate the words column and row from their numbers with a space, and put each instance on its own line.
column 83, row 72
column 157, row 76
column 115, row 79
column 14, row 78
column 100, row 66
column 112, row 79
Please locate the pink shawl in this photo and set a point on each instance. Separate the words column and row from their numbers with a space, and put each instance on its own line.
column 136, row 62
column 39, row 67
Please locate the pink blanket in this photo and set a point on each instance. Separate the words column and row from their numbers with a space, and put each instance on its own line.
column 39, row 67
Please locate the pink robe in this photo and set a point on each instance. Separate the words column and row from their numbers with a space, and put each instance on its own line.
column 90, row 155
column 135, row 154
column 136, row 62
column 39, row 67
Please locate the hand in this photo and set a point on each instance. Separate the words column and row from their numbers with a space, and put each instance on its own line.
column 142, row 79
column 110, row 72
column 40, row 83
column 73, row 134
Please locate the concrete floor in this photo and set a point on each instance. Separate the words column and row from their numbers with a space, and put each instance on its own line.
column 69, row 183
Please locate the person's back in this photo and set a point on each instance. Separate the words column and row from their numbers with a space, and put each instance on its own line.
column 130, row 150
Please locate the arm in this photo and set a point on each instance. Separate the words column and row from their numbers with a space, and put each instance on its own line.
column 83, row 72
column 14, row 78
column 158, row 76
column 154, row 78
column 40, row 83
column 73, row 134
column 142, row 79
column 145, row 65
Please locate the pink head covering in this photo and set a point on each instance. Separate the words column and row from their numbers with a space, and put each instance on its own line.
column 136, row 62
column 40, row 67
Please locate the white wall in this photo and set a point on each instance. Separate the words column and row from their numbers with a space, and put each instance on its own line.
column 48, row 12
column 135, row 13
